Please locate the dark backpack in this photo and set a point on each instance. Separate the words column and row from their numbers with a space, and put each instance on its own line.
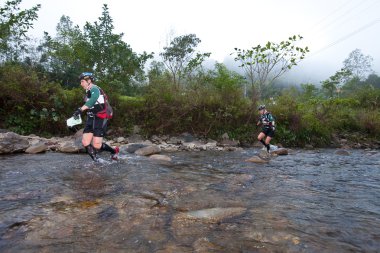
column 106, row 112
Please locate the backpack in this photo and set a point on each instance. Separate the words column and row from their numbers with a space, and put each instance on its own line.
column 106, row 112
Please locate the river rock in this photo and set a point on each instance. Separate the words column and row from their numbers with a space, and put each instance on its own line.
column 175, row 141
column 280, row 151
column 209, row 215
column 132, row 147
column 37, row 148
column 342, row 152
column 70, row 146
column 164, row 158
column 228, row 142
column 149, row 150
column 256, row 159
column 11, row 143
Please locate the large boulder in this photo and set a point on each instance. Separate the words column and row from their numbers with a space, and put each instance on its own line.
column 70, row 146
column 11, row 143
column 149, row 150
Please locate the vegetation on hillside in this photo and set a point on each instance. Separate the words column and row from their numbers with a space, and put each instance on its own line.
column 176, row 94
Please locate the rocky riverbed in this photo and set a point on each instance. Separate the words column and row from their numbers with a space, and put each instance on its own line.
column 210, row 201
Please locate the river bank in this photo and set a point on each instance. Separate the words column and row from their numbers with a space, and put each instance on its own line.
column 13, row 143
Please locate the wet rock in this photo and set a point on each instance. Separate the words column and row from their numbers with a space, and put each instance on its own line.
column 175, row 141
column 37, row 148
column 11, row 143
column 209, row 215
column 131, row 148
column 69, row 147
column 263, row 154
column 169, row 147
column 164, row 158
column 231, row 143
column 342, row 152
column 149, row 150
column 256, row 159
column 280, row 151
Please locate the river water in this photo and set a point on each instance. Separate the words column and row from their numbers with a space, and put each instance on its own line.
column 308, row 201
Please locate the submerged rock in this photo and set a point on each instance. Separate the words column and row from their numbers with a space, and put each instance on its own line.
column 210, row 215
column 164, row 158
column 256, row 159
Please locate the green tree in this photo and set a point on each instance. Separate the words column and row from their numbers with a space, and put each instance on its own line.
column 181, row 58
column 112, row 58
column 14, row 23
column 95, row 49
column 263, row 64
column 66, row 54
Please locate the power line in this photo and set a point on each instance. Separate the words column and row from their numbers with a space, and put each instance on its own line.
column 346, row 37
column 327, row 16
column 346, row 19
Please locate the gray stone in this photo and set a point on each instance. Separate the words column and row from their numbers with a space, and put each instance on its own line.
column 131, row 148
column 11, row 143
column 69, row 147
column 175, row 141
column 149, row 150
column 256, row 159
column 37, row 148
column 227, row 142
column 210, row 215
column 164, row 158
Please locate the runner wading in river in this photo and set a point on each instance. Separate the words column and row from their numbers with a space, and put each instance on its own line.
column 268, row 126
column 97, row 118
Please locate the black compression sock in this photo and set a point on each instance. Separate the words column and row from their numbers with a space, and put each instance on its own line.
column 263, row 142
column 106, row 147
column 91, row 152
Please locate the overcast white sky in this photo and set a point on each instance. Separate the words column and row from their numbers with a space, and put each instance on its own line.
column 331, row 28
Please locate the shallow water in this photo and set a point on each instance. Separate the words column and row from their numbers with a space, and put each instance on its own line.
column 308, row 201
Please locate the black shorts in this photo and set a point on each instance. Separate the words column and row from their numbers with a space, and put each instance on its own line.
column 95, row 125
column 268, row 131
